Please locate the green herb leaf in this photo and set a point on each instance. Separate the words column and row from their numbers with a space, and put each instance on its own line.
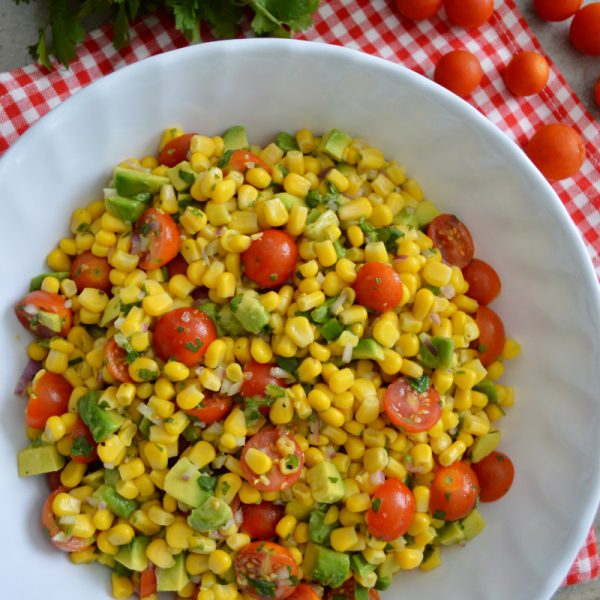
column 420, row 385
column 375, row 504
column 439, row 514
column 67, row 31
column 81, row 447
column 287, row 364
column 187, row 15
column 148, row 374
column 194, row 347
column 207, row 482
column 39, row 51
column 265, row 589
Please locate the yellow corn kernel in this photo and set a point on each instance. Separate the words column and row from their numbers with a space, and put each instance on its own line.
column 120, row 534
column 202, row 453
column 260, row 351
column 102, row 520
column 409, row 558
column 354, row 210
column 343, row 538
column 453, row 453
column 58, row 260
column 143, row 369
column 300, row 331
column 511, row 349
column 375, row 459
column 436, row 273
column 258, row 461
column 72, row 474
column 219, row 561
column 358, row 502
column 296, row 184
column 158, row 552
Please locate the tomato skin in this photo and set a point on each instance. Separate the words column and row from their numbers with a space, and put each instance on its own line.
column 261, row 519
column 453, row 239
column 257, row 377
column 116, row 363
column 495, row 473
column 90, row 271
column 53, row 480
column 265, row 441
column 174, row 151
column 454, row 491
column 47, row 302
column 557, row 150
column 418, row 10
column 163, row 238
column 259, row 561
column 185, row 334
column 409, row 409
column 585, row 30
column 597, row 92
column 303, row 592
column 395, row 510
column 72, row 543
column 469, row 13
column 148, row 582
column 527, row 73
column 378, row 287
column 271, row 259
column 242, row 160
column 49, row 397
column 80, row 430
column 177, row 266
column 484, row 282
column 491, row 335
column 211, row 409
column 556, row 10
column 458, row 71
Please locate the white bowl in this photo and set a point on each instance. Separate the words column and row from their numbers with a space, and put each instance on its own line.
column 550, row 299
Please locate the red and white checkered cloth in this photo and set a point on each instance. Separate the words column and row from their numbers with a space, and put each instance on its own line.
column 372, row 26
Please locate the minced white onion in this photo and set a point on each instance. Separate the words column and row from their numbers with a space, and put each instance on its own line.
column 61, row 536
column 119, row 322
column 336, row 307
column 347, row 353
column 234, row 388
column 279, row 372
column 448, row 291
column 67, row 520
column 147, row 412
column 68, row 303
column 30, row 309
column 185, row 317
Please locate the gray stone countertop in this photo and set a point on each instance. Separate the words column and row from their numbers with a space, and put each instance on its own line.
column 19, row 25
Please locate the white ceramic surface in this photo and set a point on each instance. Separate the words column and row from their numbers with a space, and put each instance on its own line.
column 550, row 299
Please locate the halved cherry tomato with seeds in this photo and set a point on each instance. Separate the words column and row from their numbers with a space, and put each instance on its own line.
column 452, row 238
column 271, row 259
column 304, row 592
column 174, row 151
column 183, row 334
column 242, row 160
column 266, row 570
column 392, row 510
column 211, row 409
column 261, row 519
column 410, row 409
column 378, row 287
column 159, row 239
column 84, row 447
column 91, row 271
column 495, row 473
column 454, row 492
column 484, row 282
column 49, row 397
column 58, row 538
column 116, row 361
column 266, row 442
column 491, row 335
column 29, row 308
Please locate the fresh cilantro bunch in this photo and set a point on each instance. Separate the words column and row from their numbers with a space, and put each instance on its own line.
column 65, row 22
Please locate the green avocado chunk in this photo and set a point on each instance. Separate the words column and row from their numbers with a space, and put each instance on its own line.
column 50, row 320
column 126, row 209
column 368, row 348
column 100, row 422
column 174, row 578
column 318, row 531
column 39, row 459
column 326, row 483
column 289, row 200
column 332, row 330
column 473, row 524
column 249, row 311
column 36, row 282
column 360, row 592
column 235, row 138
column 484, row 446
column 451, row 533
column 229, row 323
column 133, row 555
column 212, row 514
column 129, row 182
column 436, row 352
column 328, row 567
column 112, row 477
column 425, row 212
column 360, row 566
column 181, row 482
column 334, row 143
column 383, row 583
column 122, row 507
column 286, row 141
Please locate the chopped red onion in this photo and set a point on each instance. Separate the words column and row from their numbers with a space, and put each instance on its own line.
column 31, row 368
column 322, row 174
column 429, row 344
column 135, row 243
column 377, row 478
column 435, row 318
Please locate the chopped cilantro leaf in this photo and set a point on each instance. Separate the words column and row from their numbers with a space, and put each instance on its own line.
column 376, row 504
column 145, row 228
column 131, row 356
column 265, row 589
column 125, row 308
column 75, row 361
column 224, row 160
column 420, row 385
column 194, row 347
column 315, row 198
column 148, row 374
column 274, row 391
column 287, row 364
column 333, row 479
column 207, row 482
column 292, row 462
column 439, row 514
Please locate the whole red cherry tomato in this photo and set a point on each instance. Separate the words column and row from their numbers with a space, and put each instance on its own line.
column 418, row 10
column 271, row 259
column 495, row 474
column 378, row 287
column 454, row 491
column 49, row 397
column 174, row 151
column 91, row 271
column 527, row 73
column 469, row 13
column 260, row 520
column 491, row 335
column 392, row 510
column 585, row 29
column 484, row 282
column 556, row 10
column 459, row 71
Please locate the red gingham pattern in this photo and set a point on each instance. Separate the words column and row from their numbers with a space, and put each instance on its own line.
column 372, row 26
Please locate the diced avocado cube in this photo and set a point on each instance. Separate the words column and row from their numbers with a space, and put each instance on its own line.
column 133, row 555
column 129, row 182
column 451, row 533
column 359, row 564
column 249, row 311
column 298, row 509
column 318, row 531
column 332, row 330
column 487, row 387
column 368, row 348
column 50, row 320
column 182, row 176
column 328, row 567
column 388, row 567
column 286, row 141
column 406, row 217
column 36, row 282
column 436, row 352
column 229, row 323
column 235, row 138
column 122, row 507
column 322, row 312
column 326, row 483
column 383, row 583
column 425, row 212
column 38, row 460
column 360, row 592
column 484, row 445
column 100, row 422
column 473, row 524
column 173, row 579
column 212, row 514
column 126, row 209
column 181, row 482
column 289, row 200
column 111, row 312
column 334, row 143
column 317, row 229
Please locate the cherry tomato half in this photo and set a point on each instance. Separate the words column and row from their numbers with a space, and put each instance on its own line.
column 458, row 71
column 556, row 10
column 495, row 474
column 348, row 592
column 258, row 566
column 271, row 259
column 418, row 10
column 491, row 335
column 148, row 583
column 116, row 361
column 177, row 266
column 91, row 271
column 378, row 287
column 184, row 334
column 304, row 592
column 160, row 238
column 242, row 160
column 266, row 441
column 261, row 519
column 49, row 397
column 527, row 73
column 452, row 238
column 67, row 543
column 585, row 29
column 484, row 282
column 557, row 150
column 454, row 491
column 28, row 311
column 412, row 410
column 469, row 13
column 173, row 152
column 84, row 447
column 392, row 510
column 211, row 409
